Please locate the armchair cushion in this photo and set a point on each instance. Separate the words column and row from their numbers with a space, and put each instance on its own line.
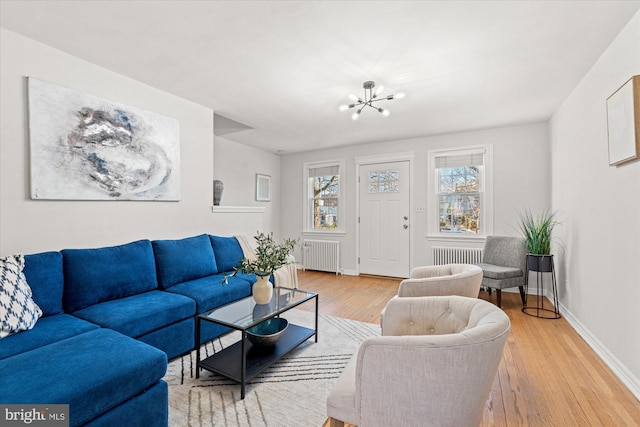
column 499, row 272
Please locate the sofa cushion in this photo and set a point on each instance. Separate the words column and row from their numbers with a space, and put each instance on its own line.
column 499, row 272
column 210, row 292
column 44, row 275
column 95, row 275
column 18, row 311
column 139, row 314
column 185, row 259
column 227, row 251
column 92, row 372
column 48, row 330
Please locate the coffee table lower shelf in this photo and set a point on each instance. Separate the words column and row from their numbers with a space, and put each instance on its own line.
column 228, row 362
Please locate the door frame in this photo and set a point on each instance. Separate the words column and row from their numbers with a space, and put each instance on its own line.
column 382, row 159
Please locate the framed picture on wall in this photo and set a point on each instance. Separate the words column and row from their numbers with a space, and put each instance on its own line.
column 83, row 147
column 263, row 188
column 623, row 122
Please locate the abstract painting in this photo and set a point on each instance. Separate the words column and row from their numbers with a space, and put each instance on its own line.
column 88, row 148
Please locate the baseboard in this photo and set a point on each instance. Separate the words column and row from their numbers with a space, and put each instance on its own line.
column 516, row 290
column 621, row 371
column 342, row 270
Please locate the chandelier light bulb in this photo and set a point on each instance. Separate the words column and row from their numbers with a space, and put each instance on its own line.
column 355, row 115
column 353, row 97
column 385, row 113
column 400, row 95
column 344, row 107
column 379, row 90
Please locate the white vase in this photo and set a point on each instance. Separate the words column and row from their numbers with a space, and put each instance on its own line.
column 262, row 290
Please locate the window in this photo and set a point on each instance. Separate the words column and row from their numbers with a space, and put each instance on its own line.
column 322, row 212
column 383, row 181
column 460, row 196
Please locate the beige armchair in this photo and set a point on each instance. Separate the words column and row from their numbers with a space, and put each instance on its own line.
column 433, row 366
column 441, row 280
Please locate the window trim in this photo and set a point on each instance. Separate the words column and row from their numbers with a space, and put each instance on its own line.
column 306, row 218
column 486, row 218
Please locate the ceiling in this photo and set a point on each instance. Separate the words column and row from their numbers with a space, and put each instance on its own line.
column 279, row 70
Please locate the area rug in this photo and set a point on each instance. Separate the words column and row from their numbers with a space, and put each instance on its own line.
column 292, row 392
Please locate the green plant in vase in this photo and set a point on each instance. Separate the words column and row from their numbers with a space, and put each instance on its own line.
column 537, row 231
column 269, row 256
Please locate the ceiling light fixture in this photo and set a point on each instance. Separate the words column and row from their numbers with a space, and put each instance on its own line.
column 369, row 98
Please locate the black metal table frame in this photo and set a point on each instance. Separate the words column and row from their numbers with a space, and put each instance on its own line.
column 539, row 310
column 243, row 347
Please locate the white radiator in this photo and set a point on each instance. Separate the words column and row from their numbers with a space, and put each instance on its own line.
column 322, row 255
column 444, row 255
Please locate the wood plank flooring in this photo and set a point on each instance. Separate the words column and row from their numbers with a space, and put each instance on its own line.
column 548, row 376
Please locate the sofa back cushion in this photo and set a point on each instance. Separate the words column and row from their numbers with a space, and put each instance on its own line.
column 96, row 275
column 227, row 251
column 43, row 272
column 181, row 260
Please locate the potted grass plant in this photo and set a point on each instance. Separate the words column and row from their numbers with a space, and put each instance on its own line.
column 269, row 256
column 537, row 232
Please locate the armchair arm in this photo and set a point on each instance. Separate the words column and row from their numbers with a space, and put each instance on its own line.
column 466, row 283
column 425, row 272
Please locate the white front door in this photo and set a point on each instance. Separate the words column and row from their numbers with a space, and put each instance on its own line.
column 384, row 219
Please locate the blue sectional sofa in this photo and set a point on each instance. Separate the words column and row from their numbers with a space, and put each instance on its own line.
column 112, row 317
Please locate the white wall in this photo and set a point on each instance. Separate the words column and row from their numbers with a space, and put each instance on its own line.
column 521, row 180
column 30, row 226
column 236, row 165
column 599, row 241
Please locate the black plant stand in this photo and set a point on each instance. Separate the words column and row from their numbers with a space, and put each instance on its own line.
column 541, row 264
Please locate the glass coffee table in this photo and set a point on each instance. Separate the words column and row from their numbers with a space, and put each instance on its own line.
column 242, row 360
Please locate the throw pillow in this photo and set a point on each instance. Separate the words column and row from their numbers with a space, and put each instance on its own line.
column 18, row 311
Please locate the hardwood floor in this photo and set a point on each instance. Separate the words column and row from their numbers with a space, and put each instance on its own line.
column 548, row 376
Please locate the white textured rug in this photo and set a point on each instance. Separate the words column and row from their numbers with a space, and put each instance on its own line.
column 292, row 392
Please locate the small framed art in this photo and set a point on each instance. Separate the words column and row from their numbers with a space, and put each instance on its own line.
column 623, row 122
column 263, row 188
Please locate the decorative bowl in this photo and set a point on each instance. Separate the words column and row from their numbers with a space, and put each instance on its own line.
column 266, row 334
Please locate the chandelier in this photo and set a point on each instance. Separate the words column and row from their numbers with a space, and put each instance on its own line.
column 369, row 98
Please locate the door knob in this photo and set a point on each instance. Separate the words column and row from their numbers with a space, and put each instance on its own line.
column 405, row 226
column 405, row 218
